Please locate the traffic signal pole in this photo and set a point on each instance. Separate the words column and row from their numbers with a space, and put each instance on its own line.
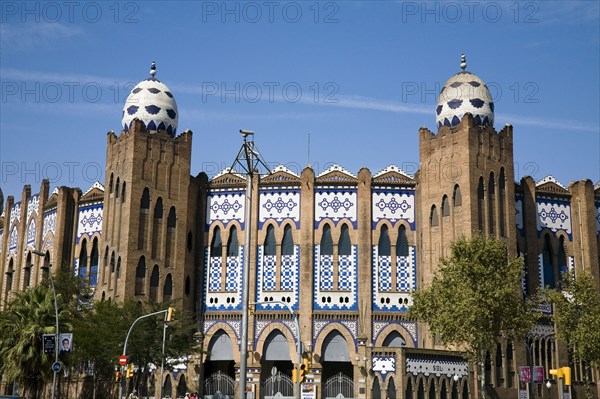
column 560, row 373
column 168, row 314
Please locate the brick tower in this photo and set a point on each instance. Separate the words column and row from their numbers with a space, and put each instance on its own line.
column 466, row 177
column 149, row 203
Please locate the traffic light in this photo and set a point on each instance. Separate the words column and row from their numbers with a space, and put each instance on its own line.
column 294, row 375
column 567, row 373
column 129, row 371
column 117, row 376
column 563, row 372
column 558, row 373
column 304, row 369
column 170, row 314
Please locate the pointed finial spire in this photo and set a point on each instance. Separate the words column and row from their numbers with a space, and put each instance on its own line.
column 463, row 62
column 153, row 69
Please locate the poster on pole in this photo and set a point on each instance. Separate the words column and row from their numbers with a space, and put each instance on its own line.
column 49, row 342
column 66, row 342
column 309, row 391
column 524, row 374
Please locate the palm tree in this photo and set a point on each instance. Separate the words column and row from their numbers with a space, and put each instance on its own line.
column 22, row 324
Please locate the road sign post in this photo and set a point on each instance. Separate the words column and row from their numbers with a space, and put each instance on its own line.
column 123, row 360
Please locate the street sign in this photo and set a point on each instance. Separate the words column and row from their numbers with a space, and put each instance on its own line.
column 56, row 367
column 123, row 360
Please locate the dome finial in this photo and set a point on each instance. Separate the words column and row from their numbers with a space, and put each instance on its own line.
column 153, row 69
column 463, row 62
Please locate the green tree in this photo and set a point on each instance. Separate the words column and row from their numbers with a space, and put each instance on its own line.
column 577, row 317
column 99, row 336
column 475, row 298
column 22, row 324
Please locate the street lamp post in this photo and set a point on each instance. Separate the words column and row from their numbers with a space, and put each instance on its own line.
column 55, row 368
column 249, row 159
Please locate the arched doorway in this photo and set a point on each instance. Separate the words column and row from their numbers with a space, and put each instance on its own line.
column 276, row 367
column 337, row 368
column 219, row 369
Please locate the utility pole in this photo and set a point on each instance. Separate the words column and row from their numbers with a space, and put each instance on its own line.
column 249, row 159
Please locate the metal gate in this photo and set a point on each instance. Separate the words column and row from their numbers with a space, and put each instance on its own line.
column 277, row 386
column 339, row 386
column 219, row 386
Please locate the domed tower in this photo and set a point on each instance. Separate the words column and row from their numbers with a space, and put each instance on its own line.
column 149, row 202
column 466, row 173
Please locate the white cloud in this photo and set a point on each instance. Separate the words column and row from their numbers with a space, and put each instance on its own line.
column 31, row 36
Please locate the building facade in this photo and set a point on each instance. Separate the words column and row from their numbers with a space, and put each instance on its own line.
column 339, row 251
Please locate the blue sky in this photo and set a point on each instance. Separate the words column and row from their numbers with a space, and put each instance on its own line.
column 359, row 77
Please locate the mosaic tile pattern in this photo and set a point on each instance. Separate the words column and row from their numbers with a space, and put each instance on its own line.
column 393, row 205
column 324, row 295
column 225, row 207
column 554, row 215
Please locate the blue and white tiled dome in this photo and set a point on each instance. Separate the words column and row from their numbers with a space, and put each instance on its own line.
column 462, row 93
column 152, row 102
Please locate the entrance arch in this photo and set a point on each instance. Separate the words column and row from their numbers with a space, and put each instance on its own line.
column 337, row 367
column 276, row 367
column 219, row 370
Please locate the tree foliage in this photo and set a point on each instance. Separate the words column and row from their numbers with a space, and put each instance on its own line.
column 99, row 330
column 475, row 297
column 99, row 336
column 577, row 315
column 22, row 324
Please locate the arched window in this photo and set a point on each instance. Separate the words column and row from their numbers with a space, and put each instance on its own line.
column 270, row 243
column 158, row 217
column 119, row 267
column 563, row 267
column 480, row 199
column 502, row 199
column 83, row 259
column 144, row 211
column 216, row 248
column 344, row 245
column 409, row 389
column 140, row 276
column 287, row 244
column 117, row 187
column 154, row 278
column 445, row 206
column 376, row 389
column 9, row 276
column 105, row 263
column 94, row 263
column 547, row 260
column 110, row 185
column 112, row 262
column 27, row 271
column 457, row 196
column 168, row 387
column 384, row 246
column 433, row 217
column 232, row 243
column 443, row 390
column 170, row 242
column 402, row 242
column 326, row 241
column 168, row 288
column 123, row 192
column 492, row 203
column 391, row 391
column 394, row 340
